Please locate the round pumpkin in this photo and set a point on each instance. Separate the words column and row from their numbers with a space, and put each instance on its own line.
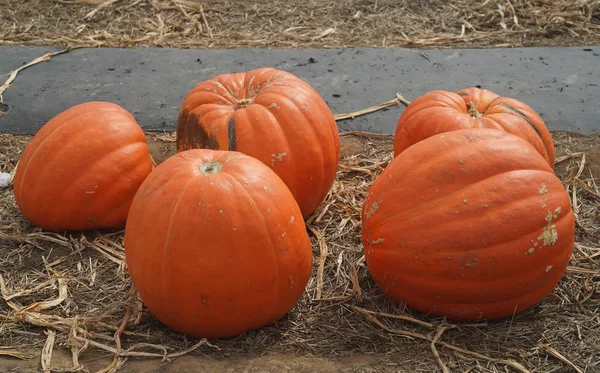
column 272, row 116
column 471, row 224
column 216, row 245
column 442, row 111
column 82, row 168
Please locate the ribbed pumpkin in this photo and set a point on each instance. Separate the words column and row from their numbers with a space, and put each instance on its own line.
column 272, row 116
column 442, row 111
column 471, row 224
column 82, row 168
column 216, row 244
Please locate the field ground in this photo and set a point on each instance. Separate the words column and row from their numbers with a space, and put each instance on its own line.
column 349, row 329
column 310, row 23
column 78, row 283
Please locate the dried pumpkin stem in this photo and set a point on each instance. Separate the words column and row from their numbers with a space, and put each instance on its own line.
column 473, row 110
column 209, row 168
column 243, row 103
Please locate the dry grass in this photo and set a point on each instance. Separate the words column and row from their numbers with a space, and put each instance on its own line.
column 291, row 24
column 73, row 290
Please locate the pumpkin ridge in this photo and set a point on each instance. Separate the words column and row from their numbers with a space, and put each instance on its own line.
column 316, row 136
column 290, row 159
column 124, row 202
column 447, row 193
column 421, row 298
column 105, row 156
column 287, row 131
column 250, row 198
column 522, row 115
column 25, row 166
column 374, row 230
column 163, row 271
column 389, row 251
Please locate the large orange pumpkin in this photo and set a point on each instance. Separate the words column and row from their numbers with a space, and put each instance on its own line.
column 270, row 115
column 442, row 111
column 216, row 244
column 470, row 224
column 82, row 169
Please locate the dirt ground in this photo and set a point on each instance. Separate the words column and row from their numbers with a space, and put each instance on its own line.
column 331, row 335
column 566, row 321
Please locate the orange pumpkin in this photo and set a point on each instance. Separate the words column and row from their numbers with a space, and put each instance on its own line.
column 82, row 169
column 272, row 116
column 471, row 224
column 442, row 111
column 216, row 244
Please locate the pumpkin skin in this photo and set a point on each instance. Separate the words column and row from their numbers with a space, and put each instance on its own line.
column 216, row 254
column 82, row 168
column 272, row 116
column 471, row 224
column 442, row 111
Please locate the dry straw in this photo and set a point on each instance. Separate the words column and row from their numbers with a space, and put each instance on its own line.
column 310, row 23
column 73, row 290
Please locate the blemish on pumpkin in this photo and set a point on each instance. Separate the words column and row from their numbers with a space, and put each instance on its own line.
column 278, row 157
column 234, row 228
column 548, row 268
column 456, row 212
column 221, row 212
column 549, row 235
column 283, row 234
column 465, row 201
column 461, row 161
column 379, row 240
column 291, row 281
column 292, row 219
column 373, row 209
column 531, row 250
column 268, row 211
column 543, row 189
column 90, row 191
column 485, row 206
column 273, row 106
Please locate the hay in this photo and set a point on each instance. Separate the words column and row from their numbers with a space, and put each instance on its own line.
column 312, row 23
column 73, row 290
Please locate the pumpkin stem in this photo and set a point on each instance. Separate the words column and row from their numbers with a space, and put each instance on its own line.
column 209, row 168
column 473, row 110
column 243, row 103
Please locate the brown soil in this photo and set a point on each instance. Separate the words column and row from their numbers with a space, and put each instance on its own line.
column 332, row 335
column 310, row 23
column 270, row 363
column 316, row 336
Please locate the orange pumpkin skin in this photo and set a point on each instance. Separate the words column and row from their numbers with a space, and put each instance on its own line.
column 82, row 168
column 471, row 224
column 272, row 116
column 216, row 254
column 442, row 111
